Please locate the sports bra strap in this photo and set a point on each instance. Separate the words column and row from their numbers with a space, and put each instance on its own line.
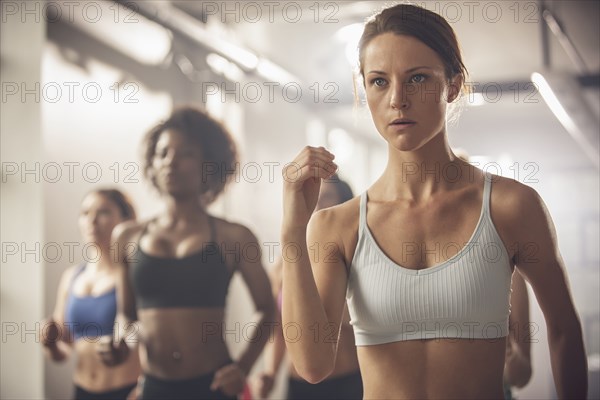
column 487, row 188
column 78, row 272
column 145, row 230
column 362, row 219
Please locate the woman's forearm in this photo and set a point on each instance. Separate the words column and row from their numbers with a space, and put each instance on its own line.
column 569, row 363
column 303, row 313
column 274, row 350
column 259, row 336
column 58, row 351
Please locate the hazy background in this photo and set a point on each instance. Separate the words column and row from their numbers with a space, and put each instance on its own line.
column 82, row 81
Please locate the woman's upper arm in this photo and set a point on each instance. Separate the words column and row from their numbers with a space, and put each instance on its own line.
column 122, row 236
column 252, row 270
column 538, row 259
column 326, row 252
column 519, row 314
column 62, row 295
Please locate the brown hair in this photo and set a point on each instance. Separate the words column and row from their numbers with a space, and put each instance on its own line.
column 121, row 200
column 217, row 146
column 422, row 24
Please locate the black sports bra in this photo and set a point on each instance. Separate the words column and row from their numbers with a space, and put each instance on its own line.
column 200, row 279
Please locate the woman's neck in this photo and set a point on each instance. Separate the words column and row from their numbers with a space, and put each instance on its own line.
column 183, row 210
column 103, row 260
column 417, row 175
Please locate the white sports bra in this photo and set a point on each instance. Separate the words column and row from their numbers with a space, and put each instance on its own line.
column 465, row 297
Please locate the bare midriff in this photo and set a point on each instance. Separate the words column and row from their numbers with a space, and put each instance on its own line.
column 93, row 375
column 182, row 343
column 433, row 368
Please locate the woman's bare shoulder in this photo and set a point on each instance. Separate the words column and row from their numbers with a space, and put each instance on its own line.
column 69, row 272
column 511, row 197
column 337, row 224
column 517, row 208
column 343, row 215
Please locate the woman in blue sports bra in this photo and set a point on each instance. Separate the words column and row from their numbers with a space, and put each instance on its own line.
column 424, row 257
column 176, row 268
column 85, row 309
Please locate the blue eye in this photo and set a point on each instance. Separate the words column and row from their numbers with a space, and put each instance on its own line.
column 378, row 82
column 418, row 78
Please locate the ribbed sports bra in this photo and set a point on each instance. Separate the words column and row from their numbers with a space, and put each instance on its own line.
column 465, row 297
column 90, row 316
column 200, row 279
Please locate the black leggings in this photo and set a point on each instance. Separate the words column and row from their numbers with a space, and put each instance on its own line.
column 338, row 388
column 118, row 394
column 194, row 388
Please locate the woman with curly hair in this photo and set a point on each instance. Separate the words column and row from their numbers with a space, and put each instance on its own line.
column 174, row 282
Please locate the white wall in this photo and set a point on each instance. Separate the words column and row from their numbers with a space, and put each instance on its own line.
column 22, row 211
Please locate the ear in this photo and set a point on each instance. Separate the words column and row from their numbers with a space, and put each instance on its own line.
column 454, row 87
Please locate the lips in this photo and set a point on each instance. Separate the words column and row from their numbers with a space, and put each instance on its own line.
column 402, row 121
column 401, row 124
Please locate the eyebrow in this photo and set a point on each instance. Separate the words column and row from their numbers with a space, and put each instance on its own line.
column 406, row 72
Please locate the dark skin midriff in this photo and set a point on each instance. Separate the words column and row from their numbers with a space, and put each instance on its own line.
column 181, row 343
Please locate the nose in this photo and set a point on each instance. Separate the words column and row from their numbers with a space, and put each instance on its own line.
column 93, row 218
column 399, row 96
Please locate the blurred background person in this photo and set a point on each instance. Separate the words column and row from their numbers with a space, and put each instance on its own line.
column 176, row 282
column 86, row 307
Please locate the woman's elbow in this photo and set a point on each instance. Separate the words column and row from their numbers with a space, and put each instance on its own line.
column 315, row 375
column 315, row 371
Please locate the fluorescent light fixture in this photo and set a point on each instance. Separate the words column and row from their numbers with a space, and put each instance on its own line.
column 237, row 54
column 222, row 66
column 350, row 34
column 217, row 63
column 550, row 98
column 193, row 29
column 588, row 143
column 274, row 72
column 143, row 40
column 183, row 23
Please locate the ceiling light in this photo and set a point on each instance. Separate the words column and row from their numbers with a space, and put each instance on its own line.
column 145, row 41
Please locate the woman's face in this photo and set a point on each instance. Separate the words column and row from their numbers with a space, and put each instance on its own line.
column 405, row 79
column 177, row 164
column 98, row 216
